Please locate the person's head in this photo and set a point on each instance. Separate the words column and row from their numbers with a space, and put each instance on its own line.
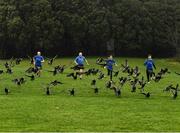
column 111, row 57
column 149, row 56
column 38, row 53
column 80, row 54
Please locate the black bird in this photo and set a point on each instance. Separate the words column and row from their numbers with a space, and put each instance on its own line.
column 109, row 84
column 147, row 95
column 32, row 77
column 177, row 73
column 50, row 61
column 168, row 88
column 93, row 82
column 9, row 71
column 55, row 82
column 101, row 76
column 1, row 71
column 117, row 91
column 73, row 75
column 116, row 74
column 31, row 59
column 123, row 80
column 142, row 84
column 18, row 61
column 175, row 94
column 6, row 90
column 96, row 90
column 72, row 92
column 47, row 91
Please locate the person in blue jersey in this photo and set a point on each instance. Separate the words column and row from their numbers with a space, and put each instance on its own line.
column 110, row 62
column 150, row 66
column 38, row 60
column 79, row 61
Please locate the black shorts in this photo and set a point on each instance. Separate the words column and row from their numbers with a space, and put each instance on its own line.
column 80, row 66
column 38, row 67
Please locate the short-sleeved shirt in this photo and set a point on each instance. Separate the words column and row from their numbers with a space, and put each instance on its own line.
column 80, row 60
column 149, row 63
column 110, row 63
column 38, row 60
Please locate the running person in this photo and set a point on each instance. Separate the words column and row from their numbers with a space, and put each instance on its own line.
column 79, row 61
column 110, row 62
column 149, row 63
column 38, row 60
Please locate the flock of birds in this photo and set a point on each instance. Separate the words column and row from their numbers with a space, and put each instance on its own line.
column 133, row 77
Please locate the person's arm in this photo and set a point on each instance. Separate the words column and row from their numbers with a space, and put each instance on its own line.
column 86, row 61
column 145, row 63
column 154, row 65
column 43, row 60
column 34, row 60
column 75, row 61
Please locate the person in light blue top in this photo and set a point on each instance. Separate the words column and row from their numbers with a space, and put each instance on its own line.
column 38, row 60
column 79, row 61
column 150, row 66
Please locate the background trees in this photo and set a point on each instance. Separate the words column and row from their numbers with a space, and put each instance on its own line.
column 64, row 27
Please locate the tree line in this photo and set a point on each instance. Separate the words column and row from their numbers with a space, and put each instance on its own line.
column 96, row 27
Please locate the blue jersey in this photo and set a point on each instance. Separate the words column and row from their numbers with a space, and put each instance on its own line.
column 149, row 63
column 109, row 64
column 80, row 60
column 38, row 60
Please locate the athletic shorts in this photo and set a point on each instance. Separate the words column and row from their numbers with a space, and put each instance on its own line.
column 81, row 67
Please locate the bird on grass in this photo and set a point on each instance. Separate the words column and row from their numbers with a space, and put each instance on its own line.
column 101, row 76
column 6, row 90
column 93, row 82
column 177, row 73
column 31, row 60
column 117, row 90
column 19, row 81
column 142, row 84
column 96, row 90
column 72, row 92
column 18, row 61
column 55, row 83
column 51, row 60
column 147, row 95
column 32, row 77
column 1, row 71
column 133, row 85
column 116, row 74
column 73, row 75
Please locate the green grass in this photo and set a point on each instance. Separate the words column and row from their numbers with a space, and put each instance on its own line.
column 27, row 108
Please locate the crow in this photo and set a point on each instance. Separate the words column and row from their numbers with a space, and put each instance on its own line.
column 55, row 83
column 6, row 90
column 47, row 91
column 177, row 73
column 117, row 91
column 168, row 88
column 116, row 74
column 9, row 71
column 101, row 76
column 50, row 61
column 1, row 71
column 31, row 59
column 147, row 95
column 96, row 90
column 122, row 81
column 32, row 77
column 72, row 92
column 18, row 61
column 72, row 75
column 109, row 84
column 93, row 82
column 142, row 84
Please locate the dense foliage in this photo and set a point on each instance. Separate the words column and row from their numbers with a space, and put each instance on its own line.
column 64, row 27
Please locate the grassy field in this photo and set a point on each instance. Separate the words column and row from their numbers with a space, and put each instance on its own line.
column 27, row 108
